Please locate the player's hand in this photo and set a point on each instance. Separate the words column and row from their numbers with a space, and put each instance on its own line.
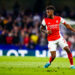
column 49, row 32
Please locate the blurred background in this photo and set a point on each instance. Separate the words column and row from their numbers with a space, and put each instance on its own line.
column 20, row 22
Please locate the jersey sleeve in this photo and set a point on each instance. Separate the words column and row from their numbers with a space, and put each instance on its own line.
column 43, row 22
column 62, row 20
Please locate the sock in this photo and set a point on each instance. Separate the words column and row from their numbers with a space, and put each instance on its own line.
column 50, row 60
column 70, row 58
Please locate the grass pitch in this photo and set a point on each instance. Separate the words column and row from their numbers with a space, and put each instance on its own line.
column 34, row 66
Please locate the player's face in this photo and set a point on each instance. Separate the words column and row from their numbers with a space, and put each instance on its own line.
column 49, row 12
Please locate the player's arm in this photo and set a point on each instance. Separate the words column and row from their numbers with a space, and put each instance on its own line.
column 67, row 25
column 43, row 29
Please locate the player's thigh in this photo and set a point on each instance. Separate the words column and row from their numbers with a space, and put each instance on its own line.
column 62, row 43
column 52, row 46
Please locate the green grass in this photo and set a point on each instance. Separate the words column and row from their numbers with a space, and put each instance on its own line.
column 34, row 66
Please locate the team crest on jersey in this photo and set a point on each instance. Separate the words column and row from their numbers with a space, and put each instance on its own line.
column 49, row 23
column 56, row 21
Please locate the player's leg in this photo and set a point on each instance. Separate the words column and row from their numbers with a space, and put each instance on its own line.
column 52, row 48
column 52, row 57
column 64, row 45
column 67, row 49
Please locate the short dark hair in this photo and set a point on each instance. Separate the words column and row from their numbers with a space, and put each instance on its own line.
column 50, row 7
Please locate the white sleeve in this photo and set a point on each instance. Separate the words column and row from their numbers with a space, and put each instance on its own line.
column 62, row 20
column 43, row 22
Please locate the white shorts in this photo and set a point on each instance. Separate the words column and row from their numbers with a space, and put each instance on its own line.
column 52, row 45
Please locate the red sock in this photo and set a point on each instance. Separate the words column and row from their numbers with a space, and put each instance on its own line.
column 50, row 60
column 70, row 58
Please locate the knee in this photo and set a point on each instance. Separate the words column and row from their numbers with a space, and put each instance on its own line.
column 67, row 49
column 53, row 56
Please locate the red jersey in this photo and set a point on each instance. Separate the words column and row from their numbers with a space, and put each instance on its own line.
column 53, row 25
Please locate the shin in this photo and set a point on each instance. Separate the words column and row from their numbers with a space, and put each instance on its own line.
column 52, row 57
column 69, row 55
